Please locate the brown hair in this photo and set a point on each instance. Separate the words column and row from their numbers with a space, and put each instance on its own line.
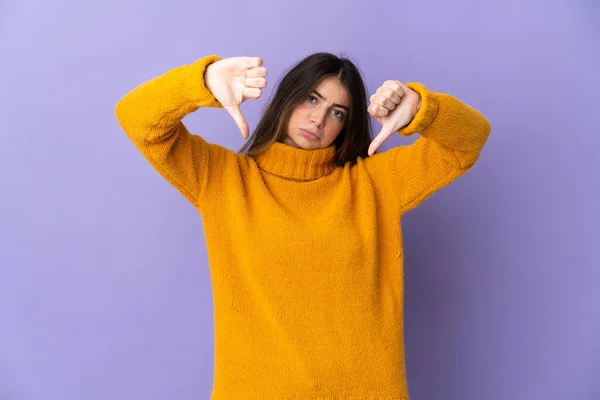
column 299, row 82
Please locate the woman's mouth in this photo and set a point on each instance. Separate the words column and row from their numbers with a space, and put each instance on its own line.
column 309, row 135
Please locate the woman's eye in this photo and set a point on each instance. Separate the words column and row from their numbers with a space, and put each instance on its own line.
column 310, row 98
column 339, row 114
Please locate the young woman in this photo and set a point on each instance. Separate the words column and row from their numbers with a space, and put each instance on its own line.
column 303, row 224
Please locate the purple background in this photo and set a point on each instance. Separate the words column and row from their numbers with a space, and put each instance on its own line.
column 104, row 285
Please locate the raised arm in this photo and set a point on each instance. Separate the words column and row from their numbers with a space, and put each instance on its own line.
column 151, row 117
column 453, row 135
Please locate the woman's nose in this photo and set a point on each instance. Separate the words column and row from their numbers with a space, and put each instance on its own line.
column 318, row 116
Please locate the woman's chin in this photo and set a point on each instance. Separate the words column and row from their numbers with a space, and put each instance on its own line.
column 302, row 143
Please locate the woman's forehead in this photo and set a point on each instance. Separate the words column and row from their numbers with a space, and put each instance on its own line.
column 332, row 90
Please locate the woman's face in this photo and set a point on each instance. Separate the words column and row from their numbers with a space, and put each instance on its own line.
column 319, row 119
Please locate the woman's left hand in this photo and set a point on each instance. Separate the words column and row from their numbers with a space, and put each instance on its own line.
column 394, row 105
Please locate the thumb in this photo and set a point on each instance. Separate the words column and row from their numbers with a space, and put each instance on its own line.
column 386, row 131
column 239, row 119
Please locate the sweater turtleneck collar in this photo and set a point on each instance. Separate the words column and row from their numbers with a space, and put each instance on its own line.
column 295, row 163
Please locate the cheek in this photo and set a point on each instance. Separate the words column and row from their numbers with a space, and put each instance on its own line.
column 333, row 129
column 337, row 124
column 292, row 117
column 301, row 109
column 298, row 114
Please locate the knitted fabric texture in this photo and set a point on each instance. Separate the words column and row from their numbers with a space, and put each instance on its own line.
column 305, row 257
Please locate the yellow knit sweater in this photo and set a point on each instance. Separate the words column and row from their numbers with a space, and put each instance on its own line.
column 305, row 258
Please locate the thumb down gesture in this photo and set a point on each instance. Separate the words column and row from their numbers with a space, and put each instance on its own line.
column 234, row 80
column 394, row 105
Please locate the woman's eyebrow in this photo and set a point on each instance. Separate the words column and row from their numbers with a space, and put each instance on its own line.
column 338, row 105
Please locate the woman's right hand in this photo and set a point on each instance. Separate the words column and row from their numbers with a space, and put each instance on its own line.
column 232, row 81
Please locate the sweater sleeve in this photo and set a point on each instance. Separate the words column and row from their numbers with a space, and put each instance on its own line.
column 151, row 117
column 453, row 135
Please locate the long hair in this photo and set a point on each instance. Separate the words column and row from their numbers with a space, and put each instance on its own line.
column 299, row 82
